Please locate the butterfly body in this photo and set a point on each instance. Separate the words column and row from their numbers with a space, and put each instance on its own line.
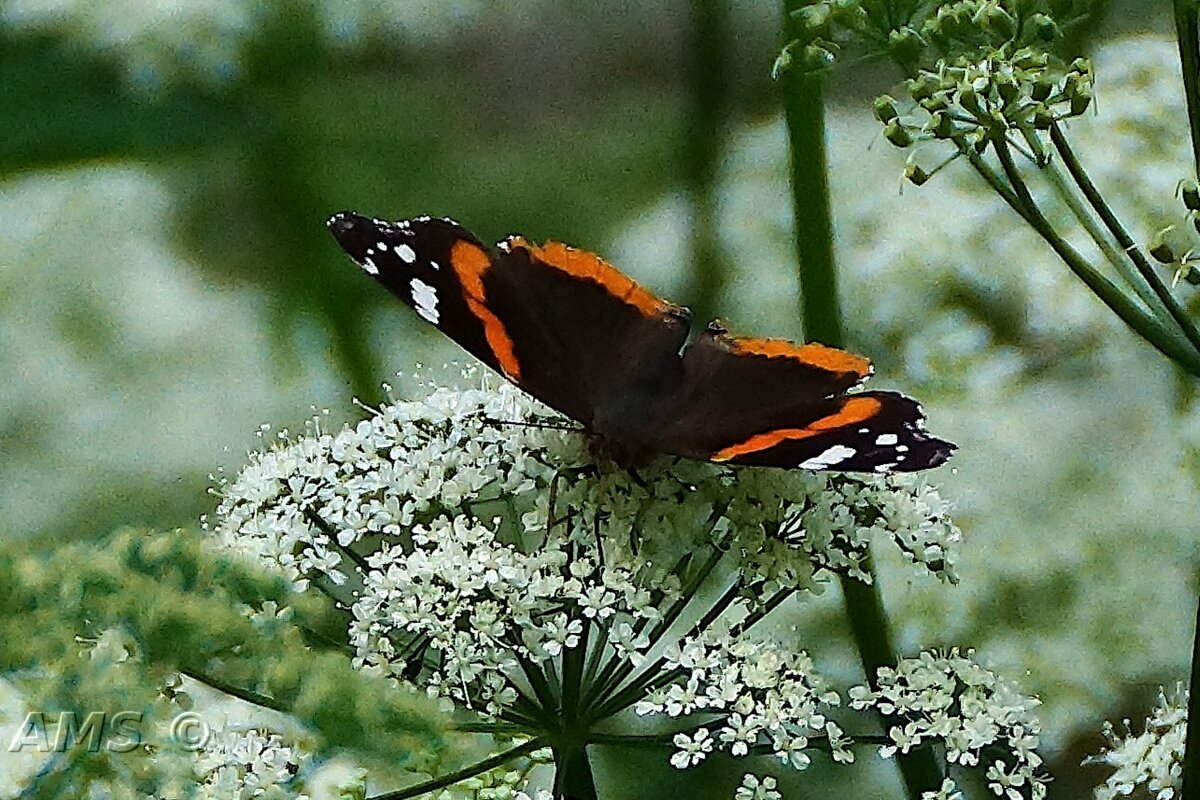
column 580, row 336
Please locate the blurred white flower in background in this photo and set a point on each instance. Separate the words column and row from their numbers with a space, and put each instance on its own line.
column 123, row 365
column 157, row 42
column 1152, row 759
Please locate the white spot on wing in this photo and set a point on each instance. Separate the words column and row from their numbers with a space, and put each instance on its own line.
column 425, row 300
column 886, row 439
column 406, row 253
column 369, row 267
column 831, row 457
column 435, row 265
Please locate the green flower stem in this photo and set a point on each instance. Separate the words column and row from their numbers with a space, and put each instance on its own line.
column 707, row 74
column 1135, row 254
column 804, row 109
column 234, row 691
column 1187, row 19
column 547, row 702
column 1118, row 302
column 494, row 728
column 1190, row 786
column 573, row 778
column 1070, row 197
column 1187, row 15
column 498, row 760
column 804, row 106
column 572, row 675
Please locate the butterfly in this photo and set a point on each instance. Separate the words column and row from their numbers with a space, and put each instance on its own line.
column 580, row 336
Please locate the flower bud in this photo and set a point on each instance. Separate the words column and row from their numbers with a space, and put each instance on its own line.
column 1043, row 27
column 1043, row 118
column 783, row 61
column 1008, row 89
column 814, row 18
column 1160, row 250
column 885, row 109
column 915, row 174
column 994, row 19
column 814, row 57
column 1191, row 194
column 905, row 44
column 940, row 125
column 921, row 88
column 934, row 104
column 1080, row 100
column 897, row 134
column 849, row 14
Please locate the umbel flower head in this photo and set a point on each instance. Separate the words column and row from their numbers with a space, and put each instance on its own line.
column 1152, row 759
column 480, row 552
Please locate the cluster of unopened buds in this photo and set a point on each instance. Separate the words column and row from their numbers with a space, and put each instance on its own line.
column 824, row 29
column 972, row 104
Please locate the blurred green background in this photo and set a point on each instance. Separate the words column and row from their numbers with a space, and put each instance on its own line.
column 167, row 284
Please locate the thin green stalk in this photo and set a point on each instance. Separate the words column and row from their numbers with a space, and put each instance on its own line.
column 1144, row 267
column 1190, row 786
column 652, row 674
column 1187, row 16
column 707, row 50
column 618, row 669
column 1133, row 315
column 234, row 691
column 804, row 108
column 573, row 779
column 1112, row 253
column 572, row 676
column 1187, row 19
column 461, row 775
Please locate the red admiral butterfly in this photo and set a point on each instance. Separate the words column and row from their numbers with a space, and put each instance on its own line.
column 577, row 334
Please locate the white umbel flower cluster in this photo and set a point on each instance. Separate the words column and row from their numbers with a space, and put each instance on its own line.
column 240, row 765
column 1153, row 758
column 765, row 694
column 979, row 719
column 483, row 553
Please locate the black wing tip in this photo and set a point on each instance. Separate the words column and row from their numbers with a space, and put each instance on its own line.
column 925, row 453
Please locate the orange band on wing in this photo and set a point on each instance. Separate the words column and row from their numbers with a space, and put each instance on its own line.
column 582, row 264
column 814, row 354
column 470, row 262
column 853, row 411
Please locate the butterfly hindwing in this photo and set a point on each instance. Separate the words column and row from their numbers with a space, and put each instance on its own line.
column 800, row 414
